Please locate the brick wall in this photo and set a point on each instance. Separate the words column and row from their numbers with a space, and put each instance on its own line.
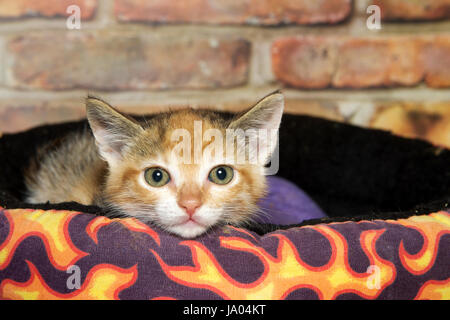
column 146, row 56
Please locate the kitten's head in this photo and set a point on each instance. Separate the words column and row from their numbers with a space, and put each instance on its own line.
column 179, row 170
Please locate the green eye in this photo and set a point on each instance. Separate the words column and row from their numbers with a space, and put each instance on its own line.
column 221, row 175
column 156, row 177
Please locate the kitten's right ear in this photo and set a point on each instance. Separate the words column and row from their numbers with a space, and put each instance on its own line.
column 266, row 114
column 113, row 131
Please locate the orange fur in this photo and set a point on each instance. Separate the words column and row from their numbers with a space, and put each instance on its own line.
column 126, row 149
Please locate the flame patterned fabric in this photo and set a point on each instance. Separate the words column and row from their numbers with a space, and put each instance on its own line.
column 72, row 255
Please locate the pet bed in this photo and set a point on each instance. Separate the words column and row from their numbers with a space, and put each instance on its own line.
column 387, row 234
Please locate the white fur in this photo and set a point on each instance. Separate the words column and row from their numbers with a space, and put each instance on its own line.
column 169, row 215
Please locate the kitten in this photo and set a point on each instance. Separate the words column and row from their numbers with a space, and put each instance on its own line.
column 129, row 167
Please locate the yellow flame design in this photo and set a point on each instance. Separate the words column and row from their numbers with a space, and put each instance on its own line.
column 103, row 282
column 432, row 227
column 286, row 272
column 434, row 290
column 50, row 226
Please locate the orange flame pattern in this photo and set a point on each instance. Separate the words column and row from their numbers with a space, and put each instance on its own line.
column 50, row 226
column 103, row 282
column 130, row 223
column 432, row 228
column 434, row 290
column 283, row 273
column 286, row 272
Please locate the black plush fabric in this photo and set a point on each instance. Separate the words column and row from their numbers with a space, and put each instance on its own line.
column 351, row 172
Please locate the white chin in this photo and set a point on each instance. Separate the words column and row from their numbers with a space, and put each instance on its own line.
column 189, row 229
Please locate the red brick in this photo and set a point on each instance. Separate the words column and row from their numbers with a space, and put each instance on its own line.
column 304, row 62
column 45, row 8
column 348, row 62
column 19, row 116
column 378, row 63
column 126, row 62
column 414, row 10
column 436, row 56
column 263, row 12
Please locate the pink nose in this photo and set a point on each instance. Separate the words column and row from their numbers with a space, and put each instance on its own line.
column 190, row 206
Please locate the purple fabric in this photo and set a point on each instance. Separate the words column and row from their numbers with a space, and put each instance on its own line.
column 287, row 204
column 37, row 247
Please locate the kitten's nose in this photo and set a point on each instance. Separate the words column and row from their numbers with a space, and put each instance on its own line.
column 190, row 205
column 190, row 199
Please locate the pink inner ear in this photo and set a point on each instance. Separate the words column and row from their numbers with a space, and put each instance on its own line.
column 105, row 144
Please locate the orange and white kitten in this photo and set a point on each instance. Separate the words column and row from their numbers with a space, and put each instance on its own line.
column 129, row 167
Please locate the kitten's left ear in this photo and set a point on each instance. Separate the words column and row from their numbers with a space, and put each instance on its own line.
column 266, row 114
column 113, row 131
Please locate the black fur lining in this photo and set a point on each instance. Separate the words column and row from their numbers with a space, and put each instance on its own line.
column 353, row 173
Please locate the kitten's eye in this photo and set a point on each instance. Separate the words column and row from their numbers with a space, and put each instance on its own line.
column 221, row 175
column 156, row 177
